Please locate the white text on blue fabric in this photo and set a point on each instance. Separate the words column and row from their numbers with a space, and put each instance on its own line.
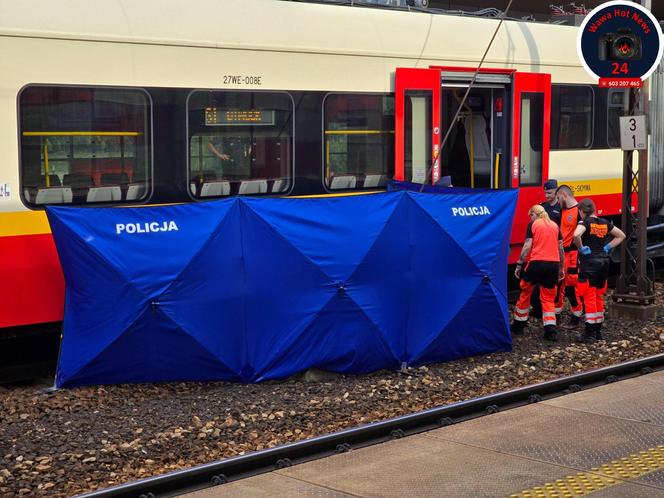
column 154, row 226
column 471, row 211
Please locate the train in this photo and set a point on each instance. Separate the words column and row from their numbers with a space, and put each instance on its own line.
column 121, row 103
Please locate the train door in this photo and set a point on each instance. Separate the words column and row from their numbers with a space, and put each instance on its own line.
column 497, row 138
column 474, row 154
column 417, row 125
column 531, row 111
column 442, row 138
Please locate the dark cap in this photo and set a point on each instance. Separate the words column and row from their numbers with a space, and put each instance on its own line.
column 551, row 184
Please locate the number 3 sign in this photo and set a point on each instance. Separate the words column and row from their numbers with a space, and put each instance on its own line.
column 633, row 134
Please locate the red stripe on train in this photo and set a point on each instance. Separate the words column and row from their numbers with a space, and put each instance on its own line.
column 32, row 287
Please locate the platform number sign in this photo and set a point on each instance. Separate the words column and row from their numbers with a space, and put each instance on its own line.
column 633, row 134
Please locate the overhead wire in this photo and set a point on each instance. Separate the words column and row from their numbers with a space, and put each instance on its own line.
column 470, row 86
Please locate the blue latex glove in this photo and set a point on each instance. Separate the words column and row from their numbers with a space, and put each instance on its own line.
column 585, row 250
column 607, row 248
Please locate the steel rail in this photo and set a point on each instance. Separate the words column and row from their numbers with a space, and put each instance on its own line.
column 239, row 467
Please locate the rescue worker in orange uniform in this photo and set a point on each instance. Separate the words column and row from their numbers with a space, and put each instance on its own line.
column 594, row 237
column 569, row 218
column 543, row 249
column 553, row 210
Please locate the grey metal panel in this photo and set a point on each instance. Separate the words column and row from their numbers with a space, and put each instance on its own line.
column 466, row 76
column 267, row 486
column 560, row 436
column 426, row 467
column 637, row 399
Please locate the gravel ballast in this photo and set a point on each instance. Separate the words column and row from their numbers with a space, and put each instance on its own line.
column 72, row 441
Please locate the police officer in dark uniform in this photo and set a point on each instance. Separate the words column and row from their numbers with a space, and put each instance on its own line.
column 551, row 203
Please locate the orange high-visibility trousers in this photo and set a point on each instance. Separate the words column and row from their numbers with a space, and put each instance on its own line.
column 568, row 286
column 547, row 296
column 600, row 301
column 593, row 300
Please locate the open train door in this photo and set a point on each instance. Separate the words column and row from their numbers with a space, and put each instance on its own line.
column 518, row 137
column 417, row 125
column 531, row 125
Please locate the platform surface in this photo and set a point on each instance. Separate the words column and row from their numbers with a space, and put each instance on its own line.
column 608, row 441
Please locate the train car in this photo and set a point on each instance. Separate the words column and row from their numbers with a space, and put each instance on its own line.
column 120, row 103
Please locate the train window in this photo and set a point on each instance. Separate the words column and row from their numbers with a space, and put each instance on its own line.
column 532, row 134
column 617, row 105
column 240, row 143
column 358, row 140
column 571, row 116
column 84, row 145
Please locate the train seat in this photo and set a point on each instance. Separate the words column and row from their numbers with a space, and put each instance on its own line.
column 53, row 180
column 77, row 180
column 343, row 181
column 111, row 179
column 253, row 187
column 104, row 194
column 372, row 181
column 136, row 191
column 192, row 188
column 481, row 147
column 280, row 185
column 215, row 189
column 54, row 195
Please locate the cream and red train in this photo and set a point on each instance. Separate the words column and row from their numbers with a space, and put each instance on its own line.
column 120, row 102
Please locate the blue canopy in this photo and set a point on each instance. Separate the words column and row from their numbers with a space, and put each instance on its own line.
column 249, row 289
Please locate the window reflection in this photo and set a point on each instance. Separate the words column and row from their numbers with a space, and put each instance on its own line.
column 240, row 143
column 359, row 140
column 84, row 145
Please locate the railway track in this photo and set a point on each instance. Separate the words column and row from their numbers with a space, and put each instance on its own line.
column 231, row 469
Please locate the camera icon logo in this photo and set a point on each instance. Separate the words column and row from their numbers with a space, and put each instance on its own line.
column 622, row 45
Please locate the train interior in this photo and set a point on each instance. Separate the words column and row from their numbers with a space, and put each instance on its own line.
column 473, row 136
column 81, row 145
column 477, row 141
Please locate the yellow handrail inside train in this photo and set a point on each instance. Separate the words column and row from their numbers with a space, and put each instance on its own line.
column 48, row 179
column 327, row 159
column 82, row 133
column 496, row 169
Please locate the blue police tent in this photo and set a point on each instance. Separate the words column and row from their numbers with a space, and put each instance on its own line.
column 249, row 289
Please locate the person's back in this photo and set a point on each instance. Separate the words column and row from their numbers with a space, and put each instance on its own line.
column 546, row 235
column 596, row 237
column 543, row 252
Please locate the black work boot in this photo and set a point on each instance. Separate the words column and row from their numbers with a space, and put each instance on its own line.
column 573, row 323
column 550, row 333
column 517, row 327
column 598, row 332
column 588, row 335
